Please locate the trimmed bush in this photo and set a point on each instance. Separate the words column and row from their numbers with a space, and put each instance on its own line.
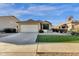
column 55, row 30
column 74, row 33
column 9, row 30
column 41, row 31
column 61, row 30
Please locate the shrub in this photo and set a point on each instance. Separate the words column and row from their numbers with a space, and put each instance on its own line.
column 61, row 30
column 41, row 31
column 14, row 30
column 74, row 33
column 10, row 30
column 55, row 30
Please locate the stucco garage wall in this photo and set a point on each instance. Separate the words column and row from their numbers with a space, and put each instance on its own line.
column 7, row 22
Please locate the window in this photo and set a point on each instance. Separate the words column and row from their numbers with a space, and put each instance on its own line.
column 45, row 26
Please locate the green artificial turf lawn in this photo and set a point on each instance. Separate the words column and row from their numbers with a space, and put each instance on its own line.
column 57, row 38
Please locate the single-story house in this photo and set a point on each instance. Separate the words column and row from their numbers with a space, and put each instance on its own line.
column 33, row 25
column 8, row 22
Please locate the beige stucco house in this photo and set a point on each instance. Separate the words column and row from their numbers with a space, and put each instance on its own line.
column 72, row 24
column 33, row 25
column 8, row 22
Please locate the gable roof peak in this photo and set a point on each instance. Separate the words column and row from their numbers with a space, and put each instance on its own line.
column 30, row 20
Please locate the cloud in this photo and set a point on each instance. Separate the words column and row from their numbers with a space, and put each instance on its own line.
column 8, row 9
column 36, row 10
column 41, row 8
column 22, row 12
column 76, row 9
column 5, row 5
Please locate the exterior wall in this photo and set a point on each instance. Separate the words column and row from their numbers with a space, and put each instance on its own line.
column 7, row 22
column 76, row 27
column 73, row 26
column 69, row 26
column 50, row 26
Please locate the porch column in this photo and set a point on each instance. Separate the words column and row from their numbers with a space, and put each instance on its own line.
column 42, row 26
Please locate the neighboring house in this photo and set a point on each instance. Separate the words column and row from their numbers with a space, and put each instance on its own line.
column 63, row 26
column 55, row 27
column 8, row 22
column 33, row 25
column 72, row 25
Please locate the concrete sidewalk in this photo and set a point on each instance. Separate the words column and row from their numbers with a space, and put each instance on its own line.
column 58, row 49
column 17, row 50
column 40, row 49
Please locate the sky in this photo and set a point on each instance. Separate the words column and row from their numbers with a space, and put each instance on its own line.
column 56, row 13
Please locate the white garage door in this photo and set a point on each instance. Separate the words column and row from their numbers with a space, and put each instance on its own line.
column 29, row 28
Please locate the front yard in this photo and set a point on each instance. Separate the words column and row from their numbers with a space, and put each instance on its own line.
column 57, row 38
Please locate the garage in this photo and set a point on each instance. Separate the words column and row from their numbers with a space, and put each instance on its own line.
column 29, row 28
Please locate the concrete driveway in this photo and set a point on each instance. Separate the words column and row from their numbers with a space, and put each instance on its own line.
column 20, row 38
